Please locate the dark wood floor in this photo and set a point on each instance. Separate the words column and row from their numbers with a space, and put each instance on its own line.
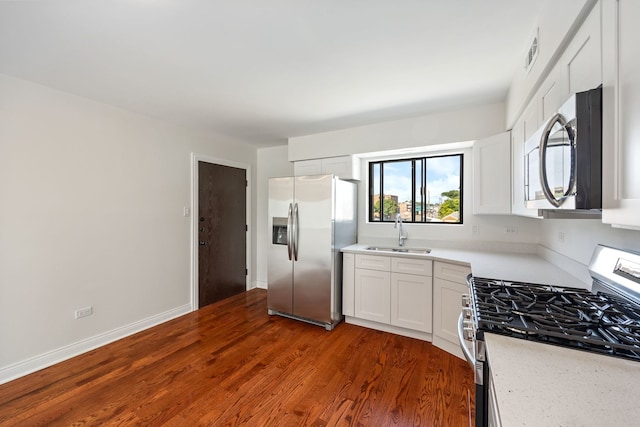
column 231, row 364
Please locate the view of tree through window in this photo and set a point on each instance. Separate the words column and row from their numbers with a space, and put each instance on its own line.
column 421, row 190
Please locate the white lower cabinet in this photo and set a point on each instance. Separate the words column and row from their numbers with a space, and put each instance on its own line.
column 493, row 415
column 449, row 284
column 394, row 291
column 411, row 301
column 348, row 284
column 372, row 295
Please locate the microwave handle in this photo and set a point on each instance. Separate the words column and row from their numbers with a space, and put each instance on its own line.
column 544, row 141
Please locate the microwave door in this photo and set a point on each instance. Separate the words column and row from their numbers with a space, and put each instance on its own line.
column 557, row 160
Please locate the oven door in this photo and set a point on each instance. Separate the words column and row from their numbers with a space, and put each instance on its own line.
column 474, row 353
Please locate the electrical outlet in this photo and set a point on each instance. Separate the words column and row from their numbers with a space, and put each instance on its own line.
column 560, row 236
column 84, row 312
column 475, row 229
column 511, row 230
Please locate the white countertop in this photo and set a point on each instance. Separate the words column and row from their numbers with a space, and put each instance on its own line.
column 546, row 385
column 540, row 384
column 522, row 267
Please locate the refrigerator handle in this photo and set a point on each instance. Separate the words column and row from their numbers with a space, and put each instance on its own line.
column 295, row 232
column 289, row 229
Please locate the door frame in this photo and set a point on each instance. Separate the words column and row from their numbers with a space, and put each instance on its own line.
column 195, row 158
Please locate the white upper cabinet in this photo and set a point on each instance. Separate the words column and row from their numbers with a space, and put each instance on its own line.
column 551, row 95
column 531, row 119
column 492, row 175
column 577, row 69
column 345, row 167
column 518, row 204
column 582, row 59
column 621, row 110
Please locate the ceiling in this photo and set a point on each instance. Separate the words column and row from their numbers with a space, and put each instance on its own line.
column 261, row 71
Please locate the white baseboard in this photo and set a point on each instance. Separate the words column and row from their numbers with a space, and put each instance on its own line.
column 261, row 285
column 448, row 346
column 44, row 360
column 424, row 336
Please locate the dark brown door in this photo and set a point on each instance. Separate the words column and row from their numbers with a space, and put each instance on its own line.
column 222, row 232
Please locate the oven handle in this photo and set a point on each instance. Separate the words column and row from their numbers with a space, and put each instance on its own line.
column 467, row 352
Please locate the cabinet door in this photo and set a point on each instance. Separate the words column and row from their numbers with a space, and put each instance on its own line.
column 345, row 167
column 582, row 59
column 307, row 167
column 551, row 94
column 530, row 119
column 372, row 295
column 492, row 175
column 447, row 305
column 411, row 301
column 493, row 414
column 348, row 284
column 518, row 204
column 621, row 109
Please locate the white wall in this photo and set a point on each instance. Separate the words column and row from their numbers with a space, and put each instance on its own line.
column 431, row 131
column 556, row 25
column 92, row 214
column 477, row 231
column 580, row 236
column 272, row 162
column 573, row 238
column 463, row 124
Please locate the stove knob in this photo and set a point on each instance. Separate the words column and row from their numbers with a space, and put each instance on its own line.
column 466, row 300
column 468, row 329
column 466, row 313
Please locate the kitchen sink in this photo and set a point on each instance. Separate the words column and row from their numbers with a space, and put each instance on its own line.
column 401, row 250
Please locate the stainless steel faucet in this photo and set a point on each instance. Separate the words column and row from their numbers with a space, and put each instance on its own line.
column 401, row 237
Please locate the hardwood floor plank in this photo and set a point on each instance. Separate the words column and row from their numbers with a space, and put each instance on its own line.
column 230, row 364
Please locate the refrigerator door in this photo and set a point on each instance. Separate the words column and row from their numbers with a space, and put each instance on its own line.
column 280, row 292
column 313, row 287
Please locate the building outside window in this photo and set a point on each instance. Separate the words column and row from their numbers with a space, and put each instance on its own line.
column 421, row 189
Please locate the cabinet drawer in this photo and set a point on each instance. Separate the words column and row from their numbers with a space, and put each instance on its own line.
column 453, row 272
column 422, row 267
column 371, row 262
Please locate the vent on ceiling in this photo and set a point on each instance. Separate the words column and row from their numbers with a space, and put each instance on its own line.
column 532, row 53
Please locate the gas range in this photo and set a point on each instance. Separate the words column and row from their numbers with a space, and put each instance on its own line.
column 604, row 320
column 569, row 317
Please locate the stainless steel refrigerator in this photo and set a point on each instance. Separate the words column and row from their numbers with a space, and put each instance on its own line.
column 311, row 218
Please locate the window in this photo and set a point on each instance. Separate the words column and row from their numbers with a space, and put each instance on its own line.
column 421, row 190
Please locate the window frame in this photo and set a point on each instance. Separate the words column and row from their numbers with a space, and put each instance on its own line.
column 423, row 159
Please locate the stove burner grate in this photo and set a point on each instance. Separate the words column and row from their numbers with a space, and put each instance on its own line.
column 564, row 316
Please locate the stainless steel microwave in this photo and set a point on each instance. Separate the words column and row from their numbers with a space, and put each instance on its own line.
column 563, row 159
